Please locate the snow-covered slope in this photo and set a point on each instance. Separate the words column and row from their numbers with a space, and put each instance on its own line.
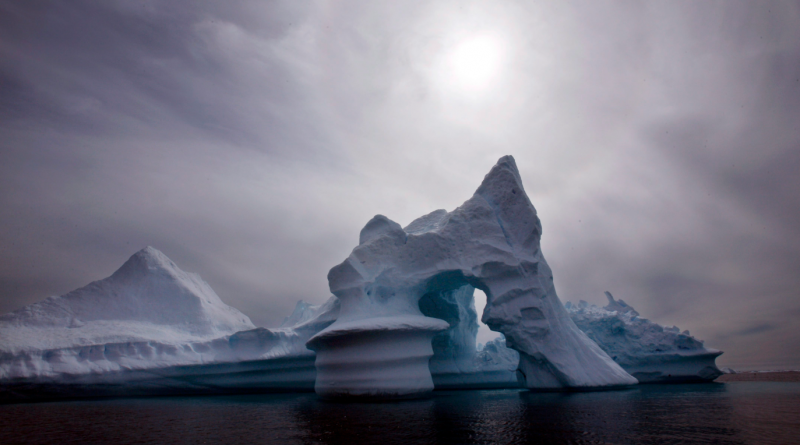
column 647, row 350
column 148, row 298
column 289, row 340
column 148, row 315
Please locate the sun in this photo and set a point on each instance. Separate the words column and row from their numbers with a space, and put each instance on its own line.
column 475, row 63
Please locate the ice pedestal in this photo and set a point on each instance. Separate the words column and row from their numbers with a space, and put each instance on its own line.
column 385, row 357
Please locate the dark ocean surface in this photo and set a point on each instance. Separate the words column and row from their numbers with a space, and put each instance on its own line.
column 714, row 413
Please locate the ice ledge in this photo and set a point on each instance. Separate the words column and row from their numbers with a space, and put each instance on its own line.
column 378, row 324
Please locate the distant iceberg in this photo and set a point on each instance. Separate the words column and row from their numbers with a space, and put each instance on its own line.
column 647, row 350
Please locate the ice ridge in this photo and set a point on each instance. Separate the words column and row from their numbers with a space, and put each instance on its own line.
column 490, row 242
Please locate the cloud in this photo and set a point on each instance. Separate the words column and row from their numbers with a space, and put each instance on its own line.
column 250, row 142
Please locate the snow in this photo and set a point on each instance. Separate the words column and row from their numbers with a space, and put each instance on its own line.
column 490, row 242
column 402, row 320
column 647, row 350
column 149, row 293
column 150, row 315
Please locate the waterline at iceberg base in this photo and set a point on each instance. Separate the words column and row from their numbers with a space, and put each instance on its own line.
column 402, row 322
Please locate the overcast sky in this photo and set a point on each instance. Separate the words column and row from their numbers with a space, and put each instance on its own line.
column 251, row 141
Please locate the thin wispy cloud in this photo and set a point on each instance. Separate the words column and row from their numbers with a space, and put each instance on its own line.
column 251, row 141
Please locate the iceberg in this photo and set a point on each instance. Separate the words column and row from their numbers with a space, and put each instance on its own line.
column 456, row 362
column 647, row 350
column 401, row 322
column 148, row 312
column 152, row 328
column 381, row 343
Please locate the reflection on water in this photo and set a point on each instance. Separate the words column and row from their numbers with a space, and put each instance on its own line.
column 733, row 413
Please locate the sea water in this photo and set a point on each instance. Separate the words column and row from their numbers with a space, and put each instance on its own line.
column 718, row 413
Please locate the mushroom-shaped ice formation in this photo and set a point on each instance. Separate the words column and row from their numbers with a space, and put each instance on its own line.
column 381, row 342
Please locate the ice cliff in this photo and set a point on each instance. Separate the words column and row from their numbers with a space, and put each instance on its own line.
column 647, row 350
column 381, row 342
column 402, row 321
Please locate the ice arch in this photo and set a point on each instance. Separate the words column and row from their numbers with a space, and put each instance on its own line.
column 381, row 342
column 454, row 348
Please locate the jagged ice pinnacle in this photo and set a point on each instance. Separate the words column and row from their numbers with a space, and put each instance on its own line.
column 490, row 242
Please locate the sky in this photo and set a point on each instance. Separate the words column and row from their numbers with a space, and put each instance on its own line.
column 250, row 141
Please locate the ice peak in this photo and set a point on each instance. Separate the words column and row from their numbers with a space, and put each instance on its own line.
column 618, row 305
column 302, row 312
column 502, row 189
column 150, row 252
column 146, row 261
column 376, row 227
column 153, row 257
column 491, row 242
column 503, row 177
column 430, row 222
column 148, row 288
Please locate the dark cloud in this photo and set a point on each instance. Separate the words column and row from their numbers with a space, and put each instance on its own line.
column 250, row 141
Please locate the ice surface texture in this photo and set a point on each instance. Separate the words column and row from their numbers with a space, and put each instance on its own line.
column 149, row 315
column 148, row 288
column 490, row 242
column 647, row 350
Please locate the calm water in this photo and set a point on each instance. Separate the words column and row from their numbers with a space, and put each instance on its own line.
column 732, row 413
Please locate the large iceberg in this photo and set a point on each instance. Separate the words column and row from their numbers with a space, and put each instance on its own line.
column 647, row 350
column 381, row 343
column 401, row 322
column 149, row 328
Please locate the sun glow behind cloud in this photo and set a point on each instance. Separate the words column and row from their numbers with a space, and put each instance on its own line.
column 274, row 130
column 471, row 68
column 475, row 63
